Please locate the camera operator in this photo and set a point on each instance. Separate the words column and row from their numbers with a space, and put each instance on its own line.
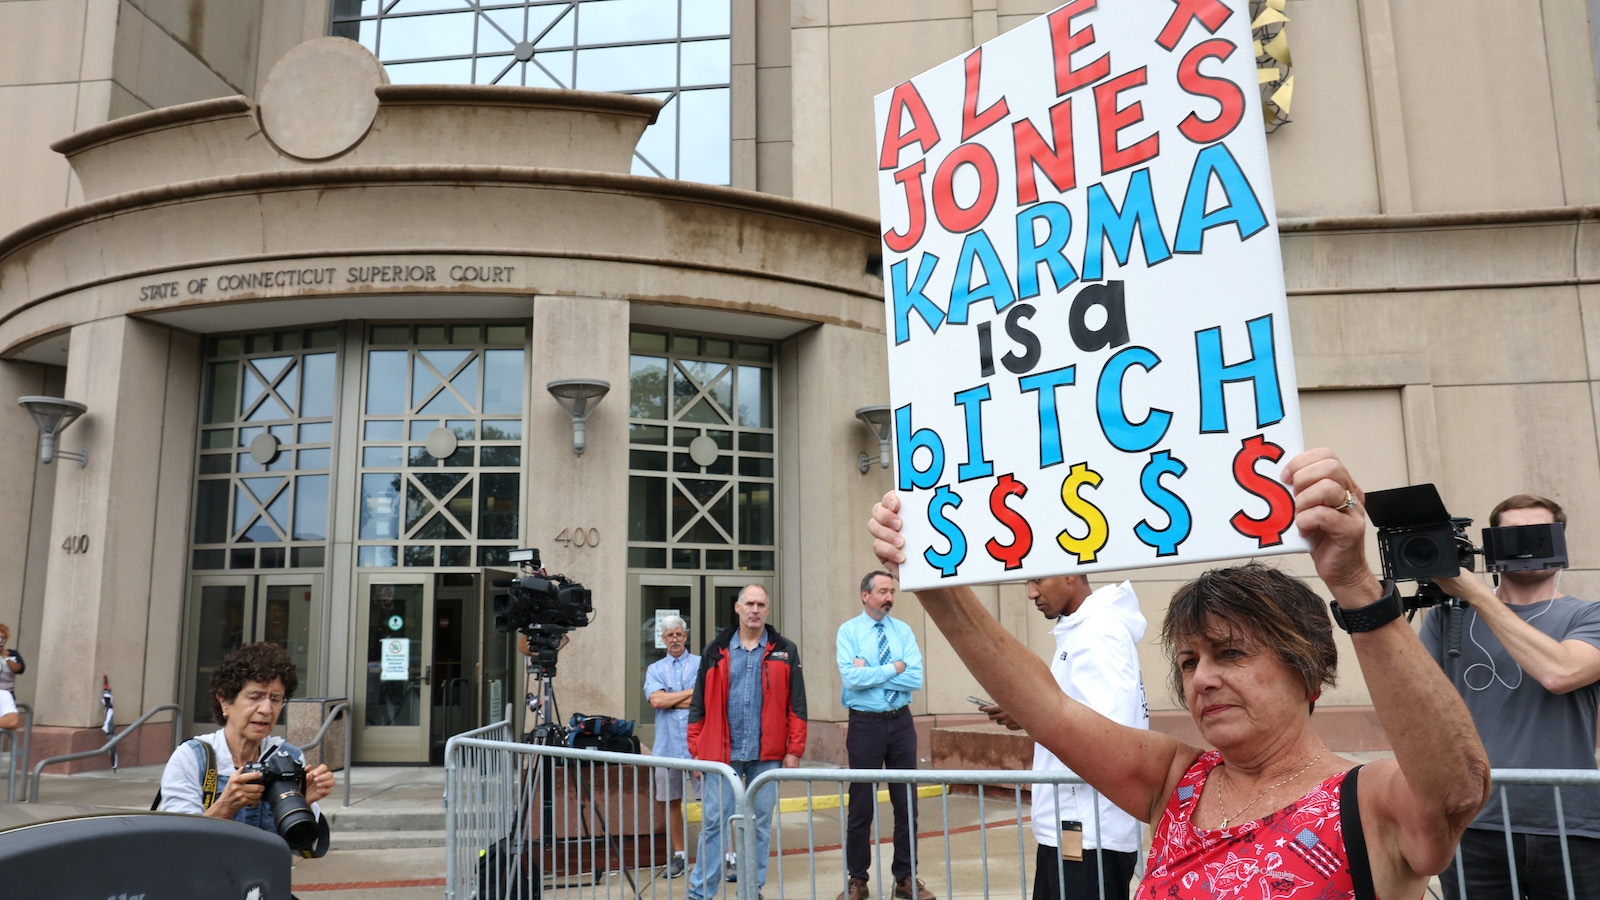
column 11, row 665
column 248, row 690
column 1529, row 671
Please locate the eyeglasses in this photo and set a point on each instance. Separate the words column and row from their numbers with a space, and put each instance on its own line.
column 254, row 698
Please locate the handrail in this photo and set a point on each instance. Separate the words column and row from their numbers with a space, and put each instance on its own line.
column 27, row 745
column 177, row 723
column 339, row 709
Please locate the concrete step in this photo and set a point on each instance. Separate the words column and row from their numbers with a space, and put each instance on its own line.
column 353, row 819
column 385, row 840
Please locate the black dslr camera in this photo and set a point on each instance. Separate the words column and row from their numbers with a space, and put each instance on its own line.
column 285, row 781
column 1418, row 540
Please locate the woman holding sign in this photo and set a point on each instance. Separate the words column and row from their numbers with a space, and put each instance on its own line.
column 1252, row 649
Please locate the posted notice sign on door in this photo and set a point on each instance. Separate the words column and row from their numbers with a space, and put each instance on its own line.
column 396, row 661
column 1089, row 354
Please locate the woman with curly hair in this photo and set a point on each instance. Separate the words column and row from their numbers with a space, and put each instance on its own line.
column 248, row 690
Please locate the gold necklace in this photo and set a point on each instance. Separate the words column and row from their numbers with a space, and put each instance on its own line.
column 1228, row 818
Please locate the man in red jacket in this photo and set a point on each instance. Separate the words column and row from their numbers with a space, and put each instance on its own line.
column 749, row 711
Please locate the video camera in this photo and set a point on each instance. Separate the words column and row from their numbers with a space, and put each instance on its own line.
column 1418, row 540
column 542, row 606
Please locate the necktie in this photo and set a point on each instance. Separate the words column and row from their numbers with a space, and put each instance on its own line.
column 890, row 697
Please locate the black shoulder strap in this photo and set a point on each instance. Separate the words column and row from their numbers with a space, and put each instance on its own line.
column 1355, row 842
column 208, row 782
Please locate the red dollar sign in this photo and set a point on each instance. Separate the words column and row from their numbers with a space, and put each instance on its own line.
column 1269, row 529
column 1010, row 555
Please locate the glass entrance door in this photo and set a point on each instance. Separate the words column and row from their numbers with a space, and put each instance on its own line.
column 229, row 611
column 704, row 602
column 393, row 687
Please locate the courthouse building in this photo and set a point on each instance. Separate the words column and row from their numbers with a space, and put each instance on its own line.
column 337, row 326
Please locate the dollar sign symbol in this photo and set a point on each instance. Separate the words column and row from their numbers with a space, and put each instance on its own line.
column 1269, row 529
column 1010, row 555
column 1086, row 547
column 1179, row 521
column 946, row 562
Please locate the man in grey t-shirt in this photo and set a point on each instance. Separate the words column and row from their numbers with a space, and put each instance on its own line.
column 1529, row 671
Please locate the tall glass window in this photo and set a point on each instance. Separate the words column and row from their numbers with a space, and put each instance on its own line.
column 701, row 454
column 266, row 446
column 441, row 445
column 678, row 51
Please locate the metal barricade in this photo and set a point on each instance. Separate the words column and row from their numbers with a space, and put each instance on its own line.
column 1555, row 779
column 977, row 841
column 521, row 819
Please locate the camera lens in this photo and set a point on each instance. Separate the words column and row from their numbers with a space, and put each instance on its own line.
column 1420, row 553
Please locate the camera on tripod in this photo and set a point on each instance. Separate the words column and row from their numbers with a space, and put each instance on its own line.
column 1418, row 540
column 539, row 603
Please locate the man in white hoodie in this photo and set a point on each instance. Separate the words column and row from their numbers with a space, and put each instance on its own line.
column 1096, row 662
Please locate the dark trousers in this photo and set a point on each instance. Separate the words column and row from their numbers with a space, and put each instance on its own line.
column 873, row 744
column 1539, row 872
column 1081, row 880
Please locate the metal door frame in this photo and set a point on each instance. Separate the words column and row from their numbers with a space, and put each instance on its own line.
column 371, row 744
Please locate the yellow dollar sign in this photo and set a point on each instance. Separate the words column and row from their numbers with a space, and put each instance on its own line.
column 1086, row 547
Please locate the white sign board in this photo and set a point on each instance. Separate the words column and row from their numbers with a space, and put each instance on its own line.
column 396, row 660
column 662, row 614
column 1089, row 355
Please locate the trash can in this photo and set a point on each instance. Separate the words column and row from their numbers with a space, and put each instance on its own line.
column 305, row 718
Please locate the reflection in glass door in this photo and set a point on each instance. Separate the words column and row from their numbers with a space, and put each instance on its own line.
column 229, row 611
column 392, row 714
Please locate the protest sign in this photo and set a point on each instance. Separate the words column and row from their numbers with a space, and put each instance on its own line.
column 1089, row 354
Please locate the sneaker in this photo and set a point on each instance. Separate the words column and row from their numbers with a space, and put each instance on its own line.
column 904, row 890
column 856, row 891
column 731, row 866
column 676, row 868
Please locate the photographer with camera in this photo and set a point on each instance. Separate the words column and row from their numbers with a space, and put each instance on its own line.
column 242, row 771
column 1529, row 671
column 11, row 665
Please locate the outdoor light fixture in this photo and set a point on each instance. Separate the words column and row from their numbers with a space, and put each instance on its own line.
column 53, row 415
column 579, row 397
column 876, row 418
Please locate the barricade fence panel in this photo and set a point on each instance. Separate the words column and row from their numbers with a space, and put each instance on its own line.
column 536, row 821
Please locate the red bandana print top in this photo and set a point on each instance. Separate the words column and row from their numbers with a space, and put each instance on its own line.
column 1296, row 852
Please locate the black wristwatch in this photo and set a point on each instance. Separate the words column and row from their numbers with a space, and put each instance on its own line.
column 1376, row 614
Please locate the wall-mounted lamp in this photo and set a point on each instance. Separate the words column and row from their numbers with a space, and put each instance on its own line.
column 53, row 415
column 579, row 397
column 876, row 418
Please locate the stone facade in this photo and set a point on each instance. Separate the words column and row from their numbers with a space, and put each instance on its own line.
column 1438, row 192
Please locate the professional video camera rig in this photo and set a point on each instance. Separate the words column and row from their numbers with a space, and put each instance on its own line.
column 1418, row 540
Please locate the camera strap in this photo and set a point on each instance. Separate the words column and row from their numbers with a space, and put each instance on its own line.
column 208, row 781
column 208, row 777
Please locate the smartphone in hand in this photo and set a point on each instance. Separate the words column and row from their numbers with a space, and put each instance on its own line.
column 977, row 702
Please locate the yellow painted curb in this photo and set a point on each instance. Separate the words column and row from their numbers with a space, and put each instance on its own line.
column 823, row 801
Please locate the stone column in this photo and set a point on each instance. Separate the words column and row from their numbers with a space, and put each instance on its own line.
column 26, row 490
column 582, row 337
column 114, row 608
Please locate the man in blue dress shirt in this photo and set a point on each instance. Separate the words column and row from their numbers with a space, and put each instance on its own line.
column 669, row 685
column 879, row 666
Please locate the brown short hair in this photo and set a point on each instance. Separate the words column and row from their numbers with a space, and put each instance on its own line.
column 1270, row 607
column 866, row 580
column 263, row 663
column 1526, row 501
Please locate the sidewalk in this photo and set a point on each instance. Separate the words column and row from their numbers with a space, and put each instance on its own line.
column 402, row 874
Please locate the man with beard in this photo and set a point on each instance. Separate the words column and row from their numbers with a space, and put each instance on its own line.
column 879, row 667
column 1529, row 671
